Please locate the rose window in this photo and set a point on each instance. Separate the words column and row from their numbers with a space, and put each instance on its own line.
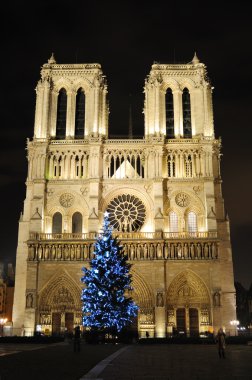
column 126, row 213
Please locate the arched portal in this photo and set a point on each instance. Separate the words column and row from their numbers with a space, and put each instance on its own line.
column 188, row 305
column 143, row 297
column 59, row 305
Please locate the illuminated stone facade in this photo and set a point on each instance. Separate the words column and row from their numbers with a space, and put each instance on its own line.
column 163, row 193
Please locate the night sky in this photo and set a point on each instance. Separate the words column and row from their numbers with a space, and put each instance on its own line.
column 126, row 38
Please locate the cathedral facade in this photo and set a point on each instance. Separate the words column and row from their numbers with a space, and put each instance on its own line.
column 162, row 192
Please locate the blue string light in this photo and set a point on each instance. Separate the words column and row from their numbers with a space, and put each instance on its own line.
column 105, row 305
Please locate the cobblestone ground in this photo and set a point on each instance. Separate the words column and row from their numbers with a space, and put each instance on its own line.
column 50, row 362
column 133, row 362
column 180, row 362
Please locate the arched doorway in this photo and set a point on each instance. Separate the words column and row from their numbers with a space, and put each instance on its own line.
column 59, row 306
column 143, row 297
column 189, row 308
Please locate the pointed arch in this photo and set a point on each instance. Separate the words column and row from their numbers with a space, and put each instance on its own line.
column 77, row 222
column 80, row 114
column 191, row 222
column 169, row 113
column 142, row 294
column 187, row 122
column 60, row 293
column 187, row 288
column 173, row 222
column 61, row 114
column 57, row 223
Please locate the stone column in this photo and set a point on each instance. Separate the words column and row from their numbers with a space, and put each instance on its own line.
column 96, row 111
column 178, row 119
column 53, row 113
column 45, row 110
column 38, row 110
column 70, row 117
column 103, row 128
column 160, row 315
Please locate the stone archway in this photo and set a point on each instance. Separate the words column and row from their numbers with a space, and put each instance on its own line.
column 188, row 305
column 143, row 297
column 59, row 305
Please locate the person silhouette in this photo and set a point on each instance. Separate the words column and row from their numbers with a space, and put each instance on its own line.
column 77, row 336
column 221, row 343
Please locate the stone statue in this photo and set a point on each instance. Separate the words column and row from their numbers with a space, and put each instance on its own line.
column 145, row 251
column 29, row 300
column 166, row 251
column 185, row 251
column 31, row 252
column 85, row 252
column 59, row 252
column 78, row 252
column 46, row 252
column 151, row 251
column 192, row 250
column 216, row 299
column 40, row 252
column 138, row 252
column 206, row 251
column 198, row 250
column 160, row 299
column 172, row 251
column 72, row 252
column 53, row 252
column 159, row 251
column 132, row 252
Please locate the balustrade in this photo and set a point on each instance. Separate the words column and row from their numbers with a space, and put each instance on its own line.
column 126, row 235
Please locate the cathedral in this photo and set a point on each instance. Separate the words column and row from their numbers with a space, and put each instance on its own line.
column 162, row 192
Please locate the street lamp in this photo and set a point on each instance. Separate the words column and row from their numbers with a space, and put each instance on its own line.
column 235, row 323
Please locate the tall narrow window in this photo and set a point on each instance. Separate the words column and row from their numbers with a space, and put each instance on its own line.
column 169, row 114
column 61, row 114
column 171, row 166
column 188, row 166
column 173, row 221
column 187, row 123
column 57, row 223
column 77, row 223
column 192, row 222
column 80, row 114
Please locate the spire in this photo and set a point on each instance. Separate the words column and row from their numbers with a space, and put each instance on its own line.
column 52, row 59
column 195, row 59
column 130, row 121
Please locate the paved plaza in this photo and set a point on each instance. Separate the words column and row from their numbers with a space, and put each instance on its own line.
column 124, row 362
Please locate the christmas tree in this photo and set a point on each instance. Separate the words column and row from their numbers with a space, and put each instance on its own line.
column 105, row 305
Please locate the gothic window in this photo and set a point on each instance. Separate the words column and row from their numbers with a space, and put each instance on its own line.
column 127, row 213
column 171, row 166
column 169, row 114
column 80, row 114
column 173, row 221
column 188, row 166
column 57, row 223
column 130, row 166
column 61, row 114
column 192, row 222
column 77, row 167
column 187, row 123
column 77, row 223
column 60, row 166
column 139, row 167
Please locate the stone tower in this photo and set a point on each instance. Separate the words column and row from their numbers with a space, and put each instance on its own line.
column 163, row 194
